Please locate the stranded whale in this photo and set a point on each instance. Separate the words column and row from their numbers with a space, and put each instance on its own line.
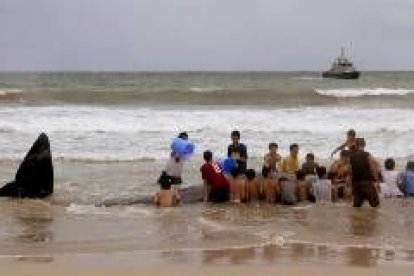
column 191, row 194
column 34, row 178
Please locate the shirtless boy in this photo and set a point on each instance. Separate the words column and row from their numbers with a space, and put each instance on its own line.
column 167, row 196
column 270, row 186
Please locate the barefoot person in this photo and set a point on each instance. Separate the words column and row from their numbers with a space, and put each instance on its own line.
column 174, row 168
column 364, row 176
column 310, row 166
column 272, row 159
column 350, row 143
column 167, row 196
column 238, row 151
column 341, row 175
column 270, row 186
column 216, row 187
column 291, row 163
column 392, row 178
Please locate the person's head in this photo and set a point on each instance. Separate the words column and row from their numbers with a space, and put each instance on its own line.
column 208, row 156
column 345, row 154
column 235, row 136
column 165, row 185
column 351, row 134
column 266, row 172
column 283, row 179
column 183, row 135
column 235, row 172
column 300, row 175
column 331, row 175
column 294, row 150
column 310, row 158
column 250, row 174
column 410, row 166
column 273, row 147
column 389, row 164
column 321, row 172
column 360, row 143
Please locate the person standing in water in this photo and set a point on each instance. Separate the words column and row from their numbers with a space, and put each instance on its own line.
column 364, row 176
column 238, row 151
column 350, row 143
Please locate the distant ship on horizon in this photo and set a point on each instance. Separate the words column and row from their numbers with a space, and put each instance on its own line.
column 342, row 68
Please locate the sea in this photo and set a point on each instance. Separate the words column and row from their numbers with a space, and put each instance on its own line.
column 110, row 135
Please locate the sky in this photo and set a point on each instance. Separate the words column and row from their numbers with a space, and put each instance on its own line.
column 182, row 35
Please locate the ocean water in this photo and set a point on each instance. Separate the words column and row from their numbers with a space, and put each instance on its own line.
column 110, row 136
column 132, row 116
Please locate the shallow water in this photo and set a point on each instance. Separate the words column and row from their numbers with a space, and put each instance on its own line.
column 110, row 135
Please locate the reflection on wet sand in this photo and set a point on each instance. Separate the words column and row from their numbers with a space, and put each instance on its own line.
column 35, row 217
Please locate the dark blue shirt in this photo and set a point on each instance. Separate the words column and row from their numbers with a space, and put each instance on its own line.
column 240, row 149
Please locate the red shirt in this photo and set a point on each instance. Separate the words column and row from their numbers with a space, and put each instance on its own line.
column 213, row 175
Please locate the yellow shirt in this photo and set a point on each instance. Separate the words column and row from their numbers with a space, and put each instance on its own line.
column 290, row 164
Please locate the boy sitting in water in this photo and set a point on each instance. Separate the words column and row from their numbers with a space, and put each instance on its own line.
column 270, row 186
column 291, row 163
column 253, row 188
column 322, row 188
column 391, row 180
column 287, row 191
column 310, row 166
column 167, row 196
column 301, row 186
column 272, row 160
column 237, row 186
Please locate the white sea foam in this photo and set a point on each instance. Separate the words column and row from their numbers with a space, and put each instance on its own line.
column 108, row 133
column 204, row 89
column 4, row 92
column 360, row 92
column 77, row 209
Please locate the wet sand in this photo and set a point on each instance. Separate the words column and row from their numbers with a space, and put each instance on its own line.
column 70, row 234
column 179, row 270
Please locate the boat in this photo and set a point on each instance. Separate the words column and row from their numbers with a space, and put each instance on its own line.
column 342, row 68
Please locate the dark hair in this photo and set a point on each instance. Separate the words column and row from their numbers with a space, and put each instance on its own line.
column 165, row 185
column 283, row 179
column 208, row 155
column 345, row 153
column 321, row 171
column 271, row 145
column 266, row 171
column 292, row 146
column 351, row 133
column 331, row 175
column 250, row 174
column 360, row 142
column 300, row 175
column 235, row 133
column 389, row 164
column 310, row 155
column 235, row 172
column 410, row 166
column 183, row 135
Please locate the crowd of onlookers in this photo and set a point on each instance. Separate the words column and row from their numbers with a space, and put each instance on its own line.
column 355, row 174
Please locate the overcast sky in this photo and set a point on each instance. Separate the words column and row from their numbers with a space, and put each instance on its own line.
column 204, row 34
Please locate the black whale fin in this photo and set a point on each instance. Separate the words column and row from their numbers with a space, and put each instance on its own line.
column 34, row 178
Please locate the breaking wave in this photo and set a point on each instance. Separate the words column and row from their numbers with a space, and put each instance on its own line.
column 360, row 92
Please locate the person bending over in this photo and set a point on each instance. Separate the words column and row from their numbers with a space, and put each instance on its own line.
column 350, row 143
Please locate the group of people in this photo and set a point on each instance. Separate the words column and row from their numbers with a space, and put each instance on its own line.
column 356, row 174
